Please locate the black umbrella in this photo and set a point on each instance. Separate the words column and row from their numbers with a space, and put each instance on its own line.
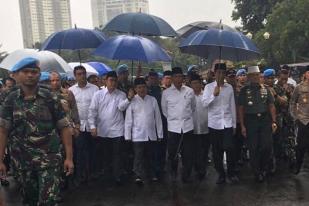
column 140, row 24
column 185, row 31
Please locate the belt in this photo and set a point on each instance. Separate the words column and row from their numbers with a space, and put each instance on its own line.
column 257, row 114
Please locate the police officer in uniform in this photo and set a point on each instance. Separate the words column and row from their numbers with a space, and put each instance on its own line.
column 299, row 108
column 257, row 115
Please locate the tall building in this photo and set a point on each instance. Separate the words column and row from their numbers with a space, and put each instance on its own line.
column 41, row 18
column 104, row 10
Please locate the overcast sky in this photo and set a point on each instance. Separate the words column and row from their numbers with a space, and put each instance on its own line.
column 176, row 12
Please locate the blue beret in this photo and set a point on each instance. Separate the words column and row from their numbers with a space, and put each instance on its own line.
column 241, row 72
column 44, row 76
column 122, row 68
column 27, row 62
column 269, row 72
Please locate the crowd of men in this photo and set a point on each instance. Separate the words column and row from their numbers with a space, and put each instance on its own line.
column 116, row 129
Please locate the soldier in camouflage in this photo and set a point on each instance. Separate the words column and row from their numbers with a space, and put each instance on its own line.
column 30, row 121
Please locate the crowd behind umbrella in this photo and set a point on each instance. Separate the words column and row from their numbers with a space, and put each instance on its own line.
column 124, row 130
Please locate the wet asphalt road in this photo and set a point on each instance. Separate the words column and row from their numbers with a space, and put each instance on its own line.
column 283, row 189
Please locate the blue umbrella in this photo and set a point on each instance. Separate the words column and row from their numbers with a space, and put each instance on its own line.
column 101, row 68
column 220, row 44
column 140, row 24
column 74, row 39
column 134, row 48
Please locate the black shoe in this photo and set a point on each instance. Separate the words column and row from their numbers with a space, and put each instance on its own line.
column 185, row 180
column 221, row 180
column 233, row 179
column 118, row 182
column 139, row 181
column 259, row 178
column 5, row 183
column 296, row 169
column 201, row 176
column 154, row 179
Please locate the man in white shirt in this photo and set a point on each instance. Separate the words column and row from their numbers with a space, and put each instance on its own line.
column 201, row 133
column 106, row 121
column 83, row 93
column 219, row 98
column 143, row 126
column 178, row 105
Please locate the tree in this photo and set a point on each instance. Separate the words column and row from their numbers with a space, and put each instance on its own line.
column 288, row 26
column 253, row 13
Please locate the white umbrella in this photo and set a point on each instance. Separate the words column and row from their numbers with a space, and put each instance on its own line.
column 49, row 61
column 89, row 69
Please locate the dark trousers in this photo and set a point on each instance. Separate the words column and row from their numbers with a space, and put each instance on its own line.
column 161, row 150
column 112, row 156
column 302, row 142
column 202, row 142
column 183, row 143
column 81, row 156
column 144, row 159
column 222, row 141
column 259, row 134
column 127, row 154
column 99, row 155
column 239, row 144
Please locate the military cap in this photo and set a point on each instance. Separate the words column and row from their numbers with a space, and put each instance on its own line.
column 122, row 69
column 253, row 69
column 111, row 74
column 220, row 66
column 269, row 72
column 28, row 62
column 139, row 81
column 241, row 72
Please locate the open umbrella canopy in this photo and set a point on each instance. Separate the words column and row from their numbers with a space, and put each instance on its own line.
column 188, row 29
column 100, row 67
column 220, row 44
column 140, row 24
column 74, row 39
column 90, row 70
column 134, row 48
column 49, row 61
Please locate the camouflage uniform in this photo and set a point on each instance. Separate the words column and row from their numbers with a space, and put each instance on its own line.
column 68, row 103
column 35, row 143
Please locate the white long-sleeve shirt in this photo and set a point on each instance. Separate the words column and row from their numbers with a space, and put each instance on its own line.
column 178, row 107
column 221, row 108
column 200, row 116
column 143, row 120
column 106, row 113
column 83, row 98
